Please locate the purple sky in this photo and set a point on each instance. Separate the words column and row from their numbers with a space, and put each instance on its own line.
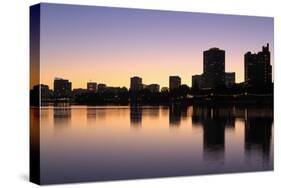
column 109, row 45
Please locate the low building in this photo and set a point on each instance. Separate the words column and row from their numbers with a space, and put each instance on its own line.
column 174, row 82
column 197, row 81
column 154, row 88
column 101, row 88
column 92, row 87
column 229, row 79
column 79, row 91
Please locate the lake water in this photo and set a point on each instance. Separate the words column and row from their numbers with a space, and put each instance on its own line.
column 81, row 143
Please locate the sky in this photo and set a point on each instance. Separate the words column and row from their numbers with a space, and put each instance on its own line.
column 110, row 45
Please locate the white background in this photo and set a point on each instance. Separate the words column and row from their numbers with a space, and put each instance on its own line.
column 14, row 84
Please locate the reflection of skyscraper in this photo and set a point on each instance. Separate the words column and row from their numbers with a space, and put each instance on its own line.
column 174, row 82
column 226, row 115
column 214, row 68
column 213, row 124
column 176, row 114
column 62, row 88
column 213, row 138
column 258, row 132
column 91, row 115
column 62, row 116
column 135, row 115
column 258, row 71
column 136, row 84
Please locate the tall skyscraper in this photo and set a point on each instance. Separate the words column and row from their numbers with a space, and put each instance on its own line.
column 174, row 82
column 257, row 67
column 213, row 68
column 136, row 83
column 62, row 88
column 92, row 87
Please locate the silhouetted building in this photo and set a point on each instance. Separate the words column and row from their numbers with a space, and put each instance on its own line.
column 101, row 88
column 136, row 84
column 229, row 79
column 46, row 93
column 154, row 88
column 92, row 87
column 174, row 82
column 114, row 90
column 257, row 67
column 43, row 91
column 62, row 88
column 79, row 91
column 165, row 89
column 213, row 68
column 197, row 81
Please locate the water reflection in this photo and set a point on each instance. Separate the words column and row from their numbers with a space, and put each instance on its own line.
column 176, row 114
column 34, row 139
column 62, row 117
column 91, row 115
column 135, row 116
column 226, row 139
column 213, row 121
column 258, row 131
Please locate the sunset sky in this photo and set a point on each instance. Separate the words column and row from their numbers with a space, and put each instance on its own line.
column 110, row 45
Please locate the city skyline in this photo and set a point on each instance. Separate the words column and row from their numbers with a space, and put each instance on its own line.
column 198, row 75
column 104, row 41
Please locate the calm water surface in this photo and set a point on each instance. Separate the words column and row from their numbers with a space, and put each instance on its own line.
column 81, row 143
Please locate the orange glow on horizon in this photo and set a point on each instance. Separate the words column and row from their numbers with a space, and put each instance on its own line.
column 119, row 75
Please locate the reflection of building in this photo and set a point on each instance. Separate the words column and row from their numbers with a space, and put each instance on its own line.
column 258, row 132
column 214, row 68
column 213, row 138
column 101, row 88
column 135, row 116
column 213, row 122
column 62, row 88
column 62, row 117
column 92, row 87
column 174, row 116
column 229, row 79
column 174, row 82
column 176, row 113
column 136, row 84
column 91, row 115
column 154, row 88
column 258, row 71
